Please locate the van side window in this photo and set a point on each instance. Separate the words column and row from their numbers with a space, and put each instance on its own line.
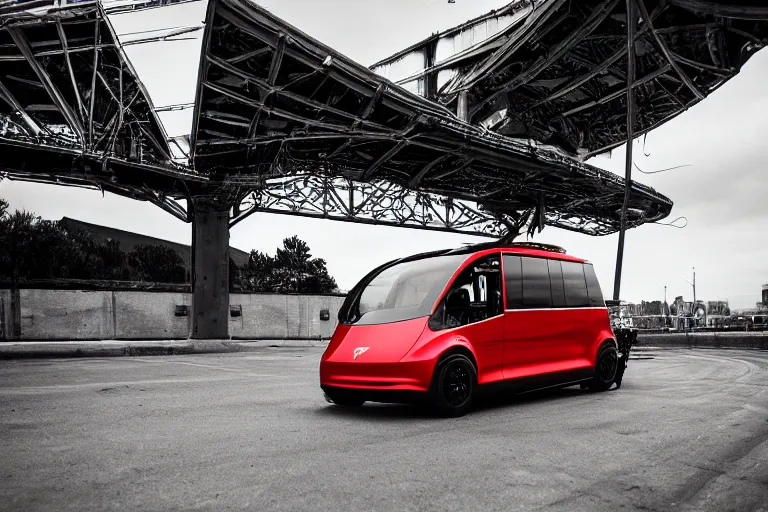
column 474, row 296
column 544, row 283
column 593, row 287
column 575, row 285
column 536, row 290
column 556, row 279
column 513, row 280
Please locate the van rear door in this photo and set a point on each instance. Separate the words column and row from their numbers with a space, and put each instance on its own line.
column 548, row 325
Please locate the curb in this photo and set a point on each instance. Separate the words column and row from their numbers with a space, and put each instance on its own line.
column 74, row 349
column 135, row 348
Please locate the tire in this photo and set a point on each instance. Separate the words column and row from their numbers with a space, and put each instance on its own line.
column 606, row 368
column 453, row 386
column 343, row 399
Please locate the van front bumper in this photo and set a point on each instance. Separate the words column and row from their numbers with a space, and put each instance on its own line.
column 411, row 376
column 385, row 396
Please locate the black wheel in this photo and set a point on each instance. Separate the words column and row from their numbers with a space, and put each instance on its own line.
column 343, row 399
column 606, row 367
column 453, row 386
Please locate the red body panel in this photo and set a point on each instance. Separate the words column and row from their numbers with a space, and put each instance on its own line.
column 401, row 356
column 483, row 339
column 537, row 342
column 379, row 366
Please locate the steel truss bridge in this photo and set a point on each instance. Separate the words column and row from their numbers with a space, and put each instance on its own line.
column 485, row 136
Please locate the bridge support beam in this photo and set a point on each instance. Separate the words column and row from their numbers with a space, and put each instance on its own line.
column 210, row 272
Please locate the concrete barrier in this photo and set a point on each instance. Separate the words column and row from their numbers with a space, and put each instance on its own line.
column 283, row 317
column 150, row 315
column 50, row 315
column 78, row 315
column 744, row 340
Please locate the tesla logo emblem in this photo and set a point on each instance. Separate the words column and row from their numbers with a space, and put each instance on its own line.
column 360, row 351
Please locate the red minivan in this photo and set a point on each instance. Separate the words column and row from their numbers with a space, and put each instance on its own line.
column 441, row 326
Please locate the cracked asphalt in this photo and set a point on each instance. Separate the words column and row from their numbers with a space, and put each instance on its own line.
column 688, row 430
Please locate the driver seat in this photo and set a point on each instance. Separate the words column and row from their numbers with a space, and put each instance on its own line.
column 458, row 305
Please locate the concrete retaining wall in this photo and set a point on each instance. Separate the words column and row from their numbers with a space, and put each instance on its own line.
column 150, row 315
column 283, row 316
column 747, row 340
column 77, row 315
column 128, row 315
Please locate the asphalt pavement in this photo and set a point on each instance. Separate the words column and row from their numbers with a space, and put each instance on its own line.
column 688, row 430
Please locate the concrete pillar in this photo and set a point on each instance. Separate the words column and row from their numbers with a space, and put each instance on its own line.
column 210, row 272
column 13, row 330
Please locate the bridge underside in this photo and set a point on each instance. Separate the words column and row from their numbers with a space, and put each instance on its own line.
column 281, row 124
column 273, row 103
column 556, row 70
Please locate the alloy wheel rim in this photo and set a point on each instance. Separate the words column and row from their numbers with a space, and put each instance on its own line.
column 607, row 366
column 456, row 385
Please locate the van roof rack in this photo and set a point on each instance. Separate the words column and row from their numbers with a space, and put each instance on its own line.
column 538, row 246
column 468, row 248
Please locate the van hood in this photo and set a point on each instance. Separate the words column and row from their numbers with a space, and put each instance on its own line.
column 381, row 343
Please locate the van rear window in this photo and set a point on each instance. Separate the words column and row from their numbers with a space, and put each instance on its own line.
column 575, row 285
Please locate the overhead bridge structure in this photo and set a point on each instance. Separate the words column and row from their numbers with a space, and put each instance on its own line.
column 556, row 71
column 284, row 124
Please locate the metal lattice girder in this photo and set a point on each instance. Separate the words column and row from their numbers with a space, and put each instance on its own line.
column 386, row 203
column 554, row 70
column 66, row 71
column 272, row 102
column 66, row 84
column 380, row 203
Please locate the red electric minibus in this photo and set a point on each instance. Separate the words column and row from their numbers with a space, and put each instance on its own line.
column 441, row 326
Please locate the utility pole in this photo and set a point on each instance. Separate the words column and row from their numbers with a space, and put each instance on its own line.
column 693, row 284
column 631, row 22
column 694, row 287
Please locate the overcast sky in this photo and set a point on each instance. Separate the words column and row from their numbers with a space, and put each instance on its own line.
column 723, row 191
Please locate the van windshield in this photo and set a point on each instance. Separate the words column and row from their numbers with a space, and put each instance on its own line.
column 406, row 291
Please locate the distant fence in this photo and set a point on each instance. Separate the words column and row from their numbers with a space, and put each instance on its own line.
column 122, row 314
column 743, row 340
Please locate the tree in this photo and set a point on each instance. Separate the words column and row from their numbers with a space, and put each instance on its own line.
column 258, row 273
column 115, row 261
column 157, row 263
column 292, row 270
column 235, row 276
column 52, row 253
column 15, row 239
column 292, row 265
column 33, row 248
